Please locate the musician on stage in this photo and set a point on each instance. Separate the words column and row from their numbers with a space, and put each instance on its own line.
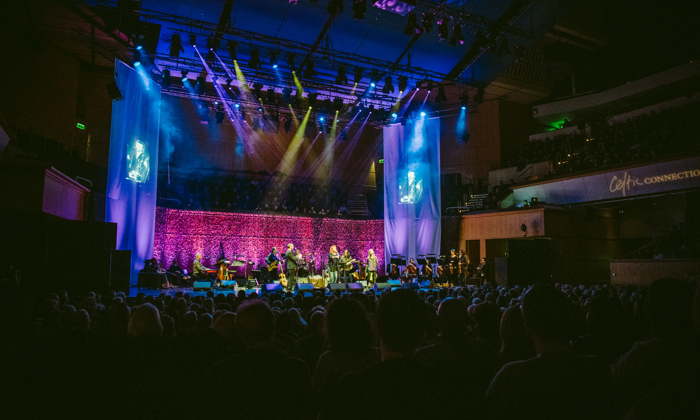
column 427, row 271
column 411, row 270
column 344, row 266
column 292, row 259
column 333, row 264
column 177, row 273
column 371, row 267
column 272, row 265
column 198, row 270
column 452, row 262
column 465, row 264
column 482, row 272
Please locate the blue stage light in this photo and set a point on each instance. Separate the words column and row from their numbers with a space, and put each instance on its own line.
column 184, row 79
column 237, row 105
column 321, row 119
column 136, row 64
column 422, row 113
column 373, row 84
column 393, row 115
column 464, row 107
column 139, row 47
column 274, row 66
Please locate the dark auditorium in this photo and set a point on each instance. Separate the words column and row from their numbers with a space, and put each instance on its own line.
column 349, row 209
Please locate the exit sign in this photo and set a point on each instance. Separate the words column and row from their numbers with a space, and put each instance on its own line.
column 381, row 160
column 80, row 126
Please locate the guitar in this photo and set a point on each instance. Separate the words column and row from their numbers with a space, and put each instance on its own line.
column 283, row 280
column 274, row 264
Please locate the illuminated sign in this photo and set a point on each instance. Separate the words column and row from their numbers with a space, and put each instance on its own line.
column 80, row 126
column 627, row 182
column 381, row 160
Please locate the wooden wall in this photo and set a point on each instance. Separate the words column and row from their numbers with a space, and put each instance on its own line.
column 643, row 272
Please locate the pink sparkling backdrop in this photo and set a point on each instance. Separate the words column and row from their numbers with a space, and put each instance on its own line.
column 182, row 233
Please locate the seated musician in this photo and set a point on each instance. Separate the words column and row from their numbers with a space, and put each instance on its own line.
column 427, row 271
column 149, row 266
column 272, row 265
column 198, row 270
column 411, row 270
column 176, row 272
column 393, row 271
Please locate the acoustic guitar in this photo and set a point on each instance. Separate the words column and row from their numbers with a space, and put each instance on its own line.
column 283, row 280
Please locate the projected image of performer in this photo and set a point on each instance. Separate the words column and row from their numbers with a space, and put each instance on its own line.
column 333, row 264
column 371, row 268
column 272, row 261
column 137, row 162
column 199, row 271
column 293, row 260
column 410, row 189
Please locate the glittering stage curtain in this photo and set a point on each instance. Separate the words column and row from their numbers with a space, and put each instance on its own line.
column 182, row 233
column 133, row 163
column 412, row 188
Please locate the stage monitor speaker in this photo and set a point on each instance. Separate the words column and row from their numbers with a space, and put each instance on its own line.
column 411, row 286
column 200, row 286
column 250, row 283
column 229, row 284
column 426, row 284
column 395, row 283
column 302, row 280
column 305, row 286
column 383, row 286
column 337, row 286
column 355, row 287
column 273, row 287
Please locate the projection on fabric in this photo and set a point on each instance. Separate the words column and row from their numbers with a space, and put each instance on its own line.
column 133, row 149
column 412, row 188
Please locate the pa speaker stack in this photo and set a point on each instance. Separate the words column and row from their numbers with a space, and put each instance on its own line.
column 355, row 287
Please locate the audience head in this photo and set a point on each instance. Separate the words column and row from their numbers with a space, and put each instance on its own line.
column 547, row 314
column 145, row 322
column 347, row 326
column 255, row 323
column 452, row 317
column 401, row 321
column 514, row 338
column 669, row 307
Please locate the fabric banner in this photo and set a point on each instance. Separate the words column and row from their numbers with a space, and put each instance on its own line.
column 180, row 234
column 412, row 188
column 133, row 164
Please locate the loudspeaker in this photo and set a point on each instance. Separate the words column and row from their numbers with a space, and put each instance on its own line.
column 302, row 280
column 305, row 286
column 272, row 287
column 250, row 283
column 114, row 91
column 337, row 286
column 229, row 284
column 382, row 286
column 426, row 284
column 395, row 283
column 528, row 263
column 411, row 286
column 201, row 286
column 355, row 287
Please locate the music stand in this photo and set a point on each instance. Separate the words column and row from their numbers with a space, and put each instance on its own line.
column 432, row 258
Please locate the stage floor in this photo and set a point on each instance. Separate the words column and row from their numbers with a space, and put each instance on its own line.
column 133, row 291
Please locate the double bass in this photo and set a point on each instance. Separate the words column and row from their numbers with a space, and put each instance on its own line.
column 223, row 263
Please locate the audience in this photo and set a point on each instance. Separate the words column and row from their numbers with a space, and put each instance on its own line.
column 563, row 351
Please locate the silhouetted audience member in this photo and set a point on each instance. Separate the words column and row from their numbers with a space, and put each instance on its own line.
column 516, row 344
column 558, row 383
column 401, row 324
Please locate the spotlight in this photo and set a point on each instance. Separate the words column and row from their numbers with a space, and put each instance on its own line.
column 193, row 40
column 312, row 99
column 137, row 63
column 287, row 94
column 464, row 137
column 480, row 41
column 184, row 75
column 394, row 115
column 419, row 85
column 199, row 87
column 254, row 62
column 321, row 118
column 232, row 45
column 219, row 117
column 441, row 97
column 237, row 105
column 270, row 95
column 430, row 85
column 358, row 74
column 359, row 7
column 422, row 113
column 403, row 83
column 260, row 108
column 464, row 100
column 412, row 27
column 310, row 71
column 341, row 78
column 176, row 45
column 138, row 47
column 457, row 35
column 165, row 78
column 388, row 85
column 328, row 105
column 374, row 76
column 443, row 29
column 228, row 83
column 338, row 104
column 273, row 59
column 257, row 90
column 427, row 22
column 290, row 61
column 479, row 97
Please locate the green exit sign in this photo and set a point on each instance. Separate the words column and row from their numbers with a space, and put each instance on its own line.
column 80, row 126
column 381, row 160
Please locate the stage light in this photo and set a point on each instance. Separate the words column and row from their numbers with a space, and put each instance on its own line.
column 312, row 99
column 443, row 29
column 310, row 71
column 232, row 45
column 427, row 22
column 334, row 7
column 464, row 100
column 257, row 90
column 288, row 125
column 193, row 40
column 137, row 63
column 273, row 59
column 237, row 105
column 388, row 85
column 220, row 117
column 441, row 97
column 338, row 104
column 479, row 97
column 287, row 95
column 201, row 82
column 374, row 76
column 270, row 95
column 254, row 62
column 403, row 83
column 260, row 109
column 394, row 115
column 138, row 47
column 114, row 92
column 228, row 83
column 328, row 105
column 216, row 102
column 341, row 78
column 291, row 57
column 359, row 7
column 412, row 27
column 430, row 86
column 184, row 76
column 321, row 118
column 358, row 74
column 419, row 85
column 464, row 137
column 165, row 78
column 176, row 45
column 456, row 35
column 422, row 113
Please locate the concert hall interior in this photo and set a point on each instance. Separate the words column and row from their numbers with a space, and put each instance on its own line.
column 496, row 202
